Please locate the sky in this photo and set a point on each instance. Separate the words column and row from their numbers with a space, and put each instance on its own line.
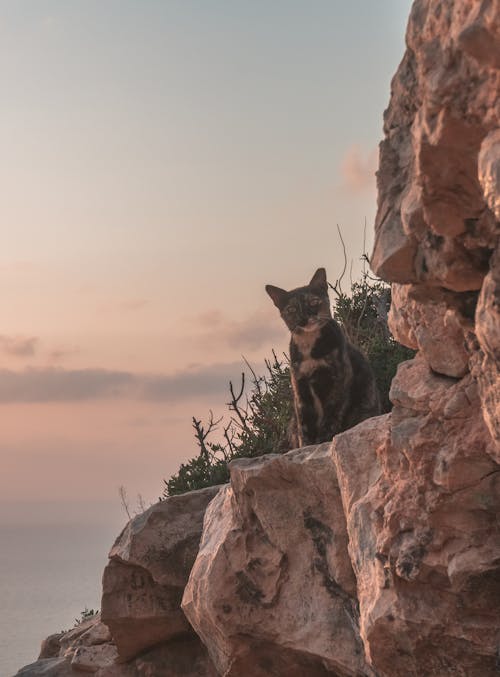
column 161, row 162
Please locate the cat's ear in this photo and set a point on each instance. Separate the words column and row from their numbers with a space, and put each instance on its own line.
column 318, row 281
column 279, row 296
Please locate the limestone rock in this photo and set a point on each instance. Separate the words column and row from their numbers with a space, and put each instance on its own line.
column 149, row 566
column 489, row 171
column 272, row 590
column 436, row 322
column 89, row 632
column 181, row 657
column 93, row 658
column 433, row 225
column 51, row 646
column 47, row 667
column 487, row 358
column 421, row 494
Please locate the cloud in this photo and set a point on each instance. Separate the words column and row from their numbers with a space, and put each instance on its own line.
column 358, row 168
column 18, row 346
column 65, row 385
column 258, row 329
column 211, row 319
column 61, row 353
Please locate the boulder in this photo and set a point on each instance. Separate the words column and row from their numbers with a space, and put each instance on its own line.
column 486, row 359
column 436, row 322
column 149, row 566
column 51, row 646
column 272, row 591
column 47, row 667
column 421, row 494
column 89, row 632
column 95, row 657
column 433, row 224
column 181, row 657
column 489, row 171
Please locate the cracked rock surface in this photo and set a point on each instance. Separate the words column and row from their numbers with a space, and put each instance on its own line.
column 272, row 588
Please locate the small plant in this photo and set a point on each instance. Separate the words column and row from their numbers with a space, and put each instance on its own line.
column 257, row 425
column 124, row 500
column 86, row 615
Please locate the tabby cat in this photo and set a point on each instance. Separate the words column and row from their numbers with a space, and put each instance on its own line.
column 333, row 385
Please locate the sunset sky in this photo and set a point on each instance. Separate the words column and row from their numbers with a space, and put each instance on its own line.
column 161, row 162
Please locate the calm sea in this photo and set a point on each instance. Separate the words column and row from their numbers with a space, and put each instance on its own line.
column 48, row 575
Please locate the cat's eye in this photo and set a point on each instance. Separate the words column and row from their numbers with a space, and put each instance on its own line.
column 314, row 303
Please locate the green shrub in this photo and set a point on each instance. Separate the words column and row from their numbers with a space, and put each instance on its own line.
column 259, row 420
column 363, row 315
column 257, row 425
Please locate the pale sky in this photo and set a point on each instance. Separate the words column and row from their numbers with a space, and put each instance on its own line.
column 161, row 162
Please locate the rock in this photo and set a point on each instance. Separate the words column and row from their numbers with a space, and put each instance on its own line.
column 51, row 646
column 81, row 634
column 87, row 647
column 489, row 171
column 486, row 359
column 149, row 566
column 272, row 590
column 436, row 322
column 142, row 589
column 181, row 657
column 47, row 667
column 421, row 495
column 433, row 225
column 400, row 320
column 87, row 634
column 480, row 36
column 93, row 658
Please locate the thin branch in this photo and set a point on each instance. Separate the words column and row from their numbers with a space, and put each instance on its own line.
column 339, row 280
column 363, row 310
column 364, row 258
column 235, row 399
column 201, row 434
column 141, row 503
column 122, row 492
column 229, row 439
column 255, row 378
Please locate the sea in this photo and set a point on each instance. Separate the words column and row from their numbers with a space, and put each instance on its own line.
column 49, row 574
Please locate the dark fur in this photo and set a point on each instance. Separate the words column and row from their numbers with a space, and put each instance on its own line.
column 333, row 384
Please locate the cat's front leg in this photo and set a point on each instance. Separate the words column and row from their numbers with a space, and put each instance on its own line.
column 307, row 416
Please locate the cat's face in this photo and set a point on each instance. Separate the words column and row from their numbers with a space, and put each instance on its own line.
column 305, row 307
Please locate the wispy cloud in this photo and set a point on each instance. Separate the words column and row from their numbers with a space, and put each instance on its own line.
column 258, row 329
column 18, row 346
column 61, row 353
column 65, row 385
column 358, row 168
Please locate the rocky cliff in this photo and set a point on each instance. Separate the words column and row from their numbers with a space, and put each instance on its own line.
column 377, row 554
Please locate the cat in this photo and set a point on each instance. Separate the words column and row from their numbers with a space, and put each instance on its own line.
column 332, row 382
